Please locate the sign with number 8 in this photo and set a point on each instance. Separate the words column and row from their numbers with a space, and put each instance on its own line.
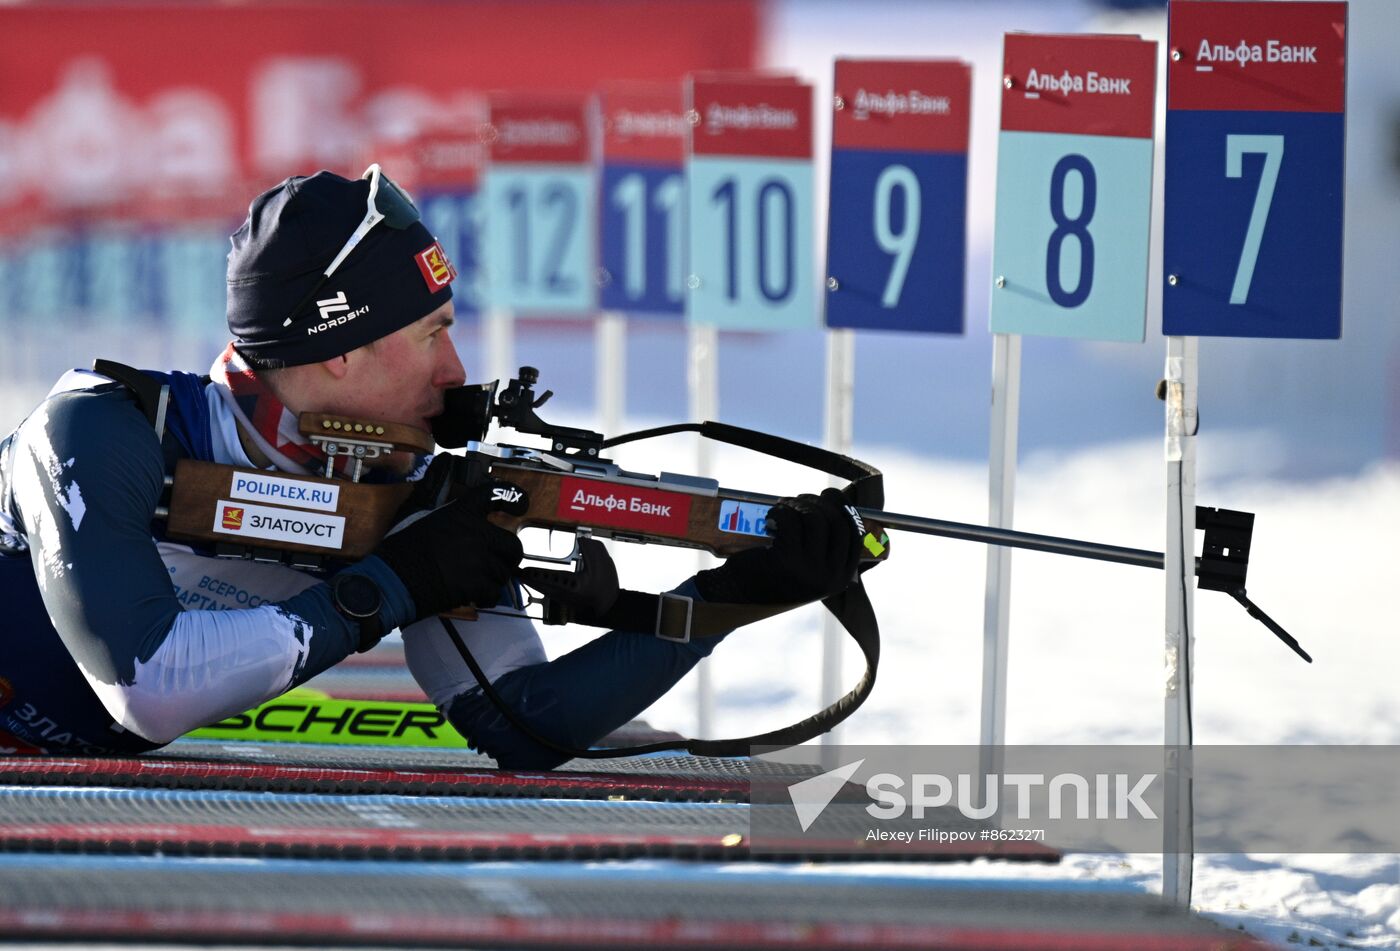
column 1074, row 187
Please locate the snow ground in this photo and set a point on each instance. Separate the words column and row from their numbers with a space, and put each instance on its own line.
column 1087, row 656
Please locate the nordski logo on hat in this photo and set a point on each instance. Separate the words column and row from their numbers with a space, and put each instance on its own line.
column 438, row 272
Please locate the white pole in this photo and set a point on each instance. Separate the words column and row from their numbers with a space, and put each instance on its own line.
column 1178, row 851
column 499, row 328
column 996, row 612
column 840, row 434
column 610, row 351
column 703, row 381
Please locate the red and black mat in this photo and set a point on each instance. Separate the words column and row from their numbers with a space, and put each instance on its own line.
column 604, row 905
column 308, row 767
column 368, row 771
column 173, row 822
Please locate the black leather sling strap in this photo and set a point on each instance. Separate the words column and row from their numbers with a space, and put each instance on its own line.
column 667, row 615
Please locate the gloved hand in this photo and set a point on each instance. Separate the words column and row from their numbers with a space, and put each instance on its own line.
column 815, row 554
column 452, row 556
column 588, row 591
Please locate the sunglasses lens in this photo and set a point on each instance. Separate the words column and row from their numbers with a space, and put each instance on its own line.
column 394, row 204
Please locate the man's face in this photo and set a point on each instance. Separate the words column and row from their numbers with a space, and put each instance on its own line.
column 401, row 378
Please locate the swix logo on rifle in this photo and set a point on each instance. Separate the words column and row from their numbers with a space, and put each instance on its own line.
column 334, row 312
column 437, row 270
column 595, row 502
column 508, row 498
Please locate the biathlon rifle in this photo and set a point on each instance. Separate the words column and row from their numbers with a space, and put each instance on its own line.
column 570, row 485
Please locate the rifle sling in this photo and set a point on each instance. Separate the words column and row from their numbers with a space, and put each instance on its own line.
column 639, row 612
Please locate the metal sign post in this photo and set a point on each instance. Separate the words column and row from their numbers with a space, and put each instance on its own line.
column 1001, row 487
column 840, row 433
column 1252, row 247
column 1070, row 253
column 1180, row 554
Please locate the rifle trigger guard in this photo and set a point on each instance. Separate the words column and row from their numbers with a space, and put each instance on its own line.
column 572, row 557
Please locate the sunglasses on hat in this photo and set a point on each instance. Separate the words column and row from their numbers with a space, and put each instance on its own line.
column 387, row 203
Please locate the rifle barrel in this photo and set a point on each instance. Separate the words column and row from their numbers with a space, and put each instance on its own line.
column 990, row 536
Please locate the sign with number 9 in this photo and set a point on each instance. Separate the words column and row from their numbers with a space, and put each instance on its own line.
column 896, row 245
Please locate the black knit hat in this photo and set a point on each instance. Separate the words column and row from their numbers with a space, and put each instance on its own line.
column 395, row 276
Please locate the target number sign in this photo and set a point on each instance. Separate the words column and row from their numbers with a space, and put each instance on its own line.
column 1252, row 231
column 896, row 237
column 1074, row 187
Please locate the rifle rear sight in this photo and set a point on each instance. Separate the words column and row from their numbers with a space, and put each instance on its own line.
column 469, row 410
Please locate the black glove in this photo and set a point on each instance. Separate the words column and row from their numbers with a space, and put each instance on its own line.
column 452, row 556
column 815, row 554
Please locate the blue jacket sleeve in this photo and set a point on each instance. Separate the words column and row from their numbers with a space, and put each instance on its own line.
column 85, row 474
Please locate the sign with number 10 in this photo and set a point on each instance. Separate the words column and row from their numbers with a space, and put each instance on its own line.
column 896, row 244
column 540, row 197
column 1074, row 186
column 1256, row 99
column 644, row 133
column 749, row 198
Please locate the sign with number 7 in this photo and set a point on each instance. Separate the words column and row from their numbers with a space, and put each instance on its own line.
column 1256, row 96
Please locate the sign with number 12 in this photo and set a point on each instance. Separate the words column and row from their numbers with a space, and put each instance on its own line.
column 540, row 197
column 1074, row 186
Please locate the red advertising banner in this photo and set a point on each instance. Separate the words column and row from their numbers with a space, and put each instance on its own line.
column 909, row 106
column 537, row 127
column 1259, row 57
column 758, row 116
column 625, row 506
column 186, row 111
column 1079, row 85
column 644, row 122
column 435, row 158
